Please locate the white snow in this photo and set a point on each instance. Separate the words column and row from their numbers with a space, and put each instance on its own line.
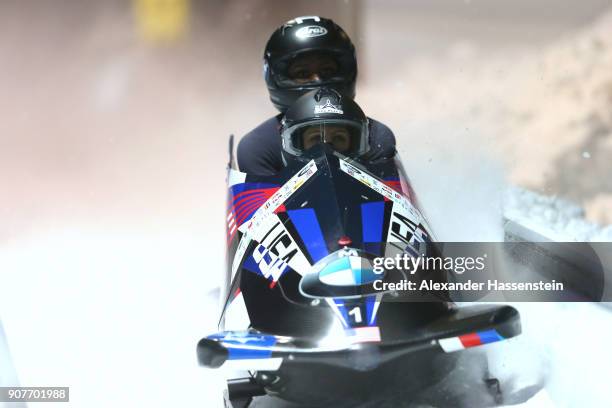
column 114, row 315
column 551, row 217
column 566, row 347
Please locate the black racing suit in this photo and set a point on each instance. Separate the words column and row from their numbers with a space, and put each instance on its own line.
column 259, row 151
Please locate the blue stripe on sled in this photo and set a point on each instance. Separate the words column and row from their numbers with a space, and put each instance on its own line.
column 236, row 343
column 373, row 248
column 250, row 265
column 489, row 336
column 247, row 354
column 370, row 302
column 372, row 215
column 307, row 225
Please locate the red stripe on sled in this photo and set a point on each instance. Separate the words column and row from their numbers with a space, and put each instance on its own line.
column 470, row 340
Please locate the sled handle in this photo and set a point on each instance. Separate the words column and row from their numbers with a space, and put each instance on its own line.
column 230, row 145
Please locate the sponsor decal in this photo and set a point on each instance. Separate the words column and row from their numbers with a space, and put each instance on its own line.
column 275, row 252
column 348, row 270
column 407, row 226
column 278, row 198
column 379, row 186
column 311, row 31
column 405, row 230
column 328, row 107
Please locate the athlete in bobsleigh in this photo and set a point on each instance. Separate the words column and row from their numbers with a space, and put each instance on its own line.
column 301, row 312
column 304, row 54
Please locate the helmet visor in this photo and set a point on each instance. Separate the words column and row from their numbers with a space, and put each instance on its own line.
column 308, row 69
column 344, row 136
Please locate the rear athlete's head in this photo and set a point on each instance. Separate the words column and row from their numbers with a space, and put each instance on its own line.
column 306, row 53
column 324, row 116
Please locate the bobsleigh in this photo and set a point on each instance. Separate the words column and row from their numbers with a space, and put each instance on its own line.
column 299, row 314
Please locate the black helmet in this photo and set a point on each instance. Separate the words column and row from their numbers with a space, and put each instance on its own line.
column 324, row 116
column 303, row 35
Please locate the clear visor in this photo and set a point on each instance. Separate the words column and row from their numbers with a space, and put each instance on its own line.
column 346, row 137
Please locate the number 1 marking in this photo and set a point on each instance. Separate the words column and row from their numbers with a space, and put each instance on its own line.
column 356, row 313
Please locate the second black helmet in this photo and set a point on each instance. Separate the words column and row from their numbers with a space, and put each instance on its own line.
column 324, row 116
